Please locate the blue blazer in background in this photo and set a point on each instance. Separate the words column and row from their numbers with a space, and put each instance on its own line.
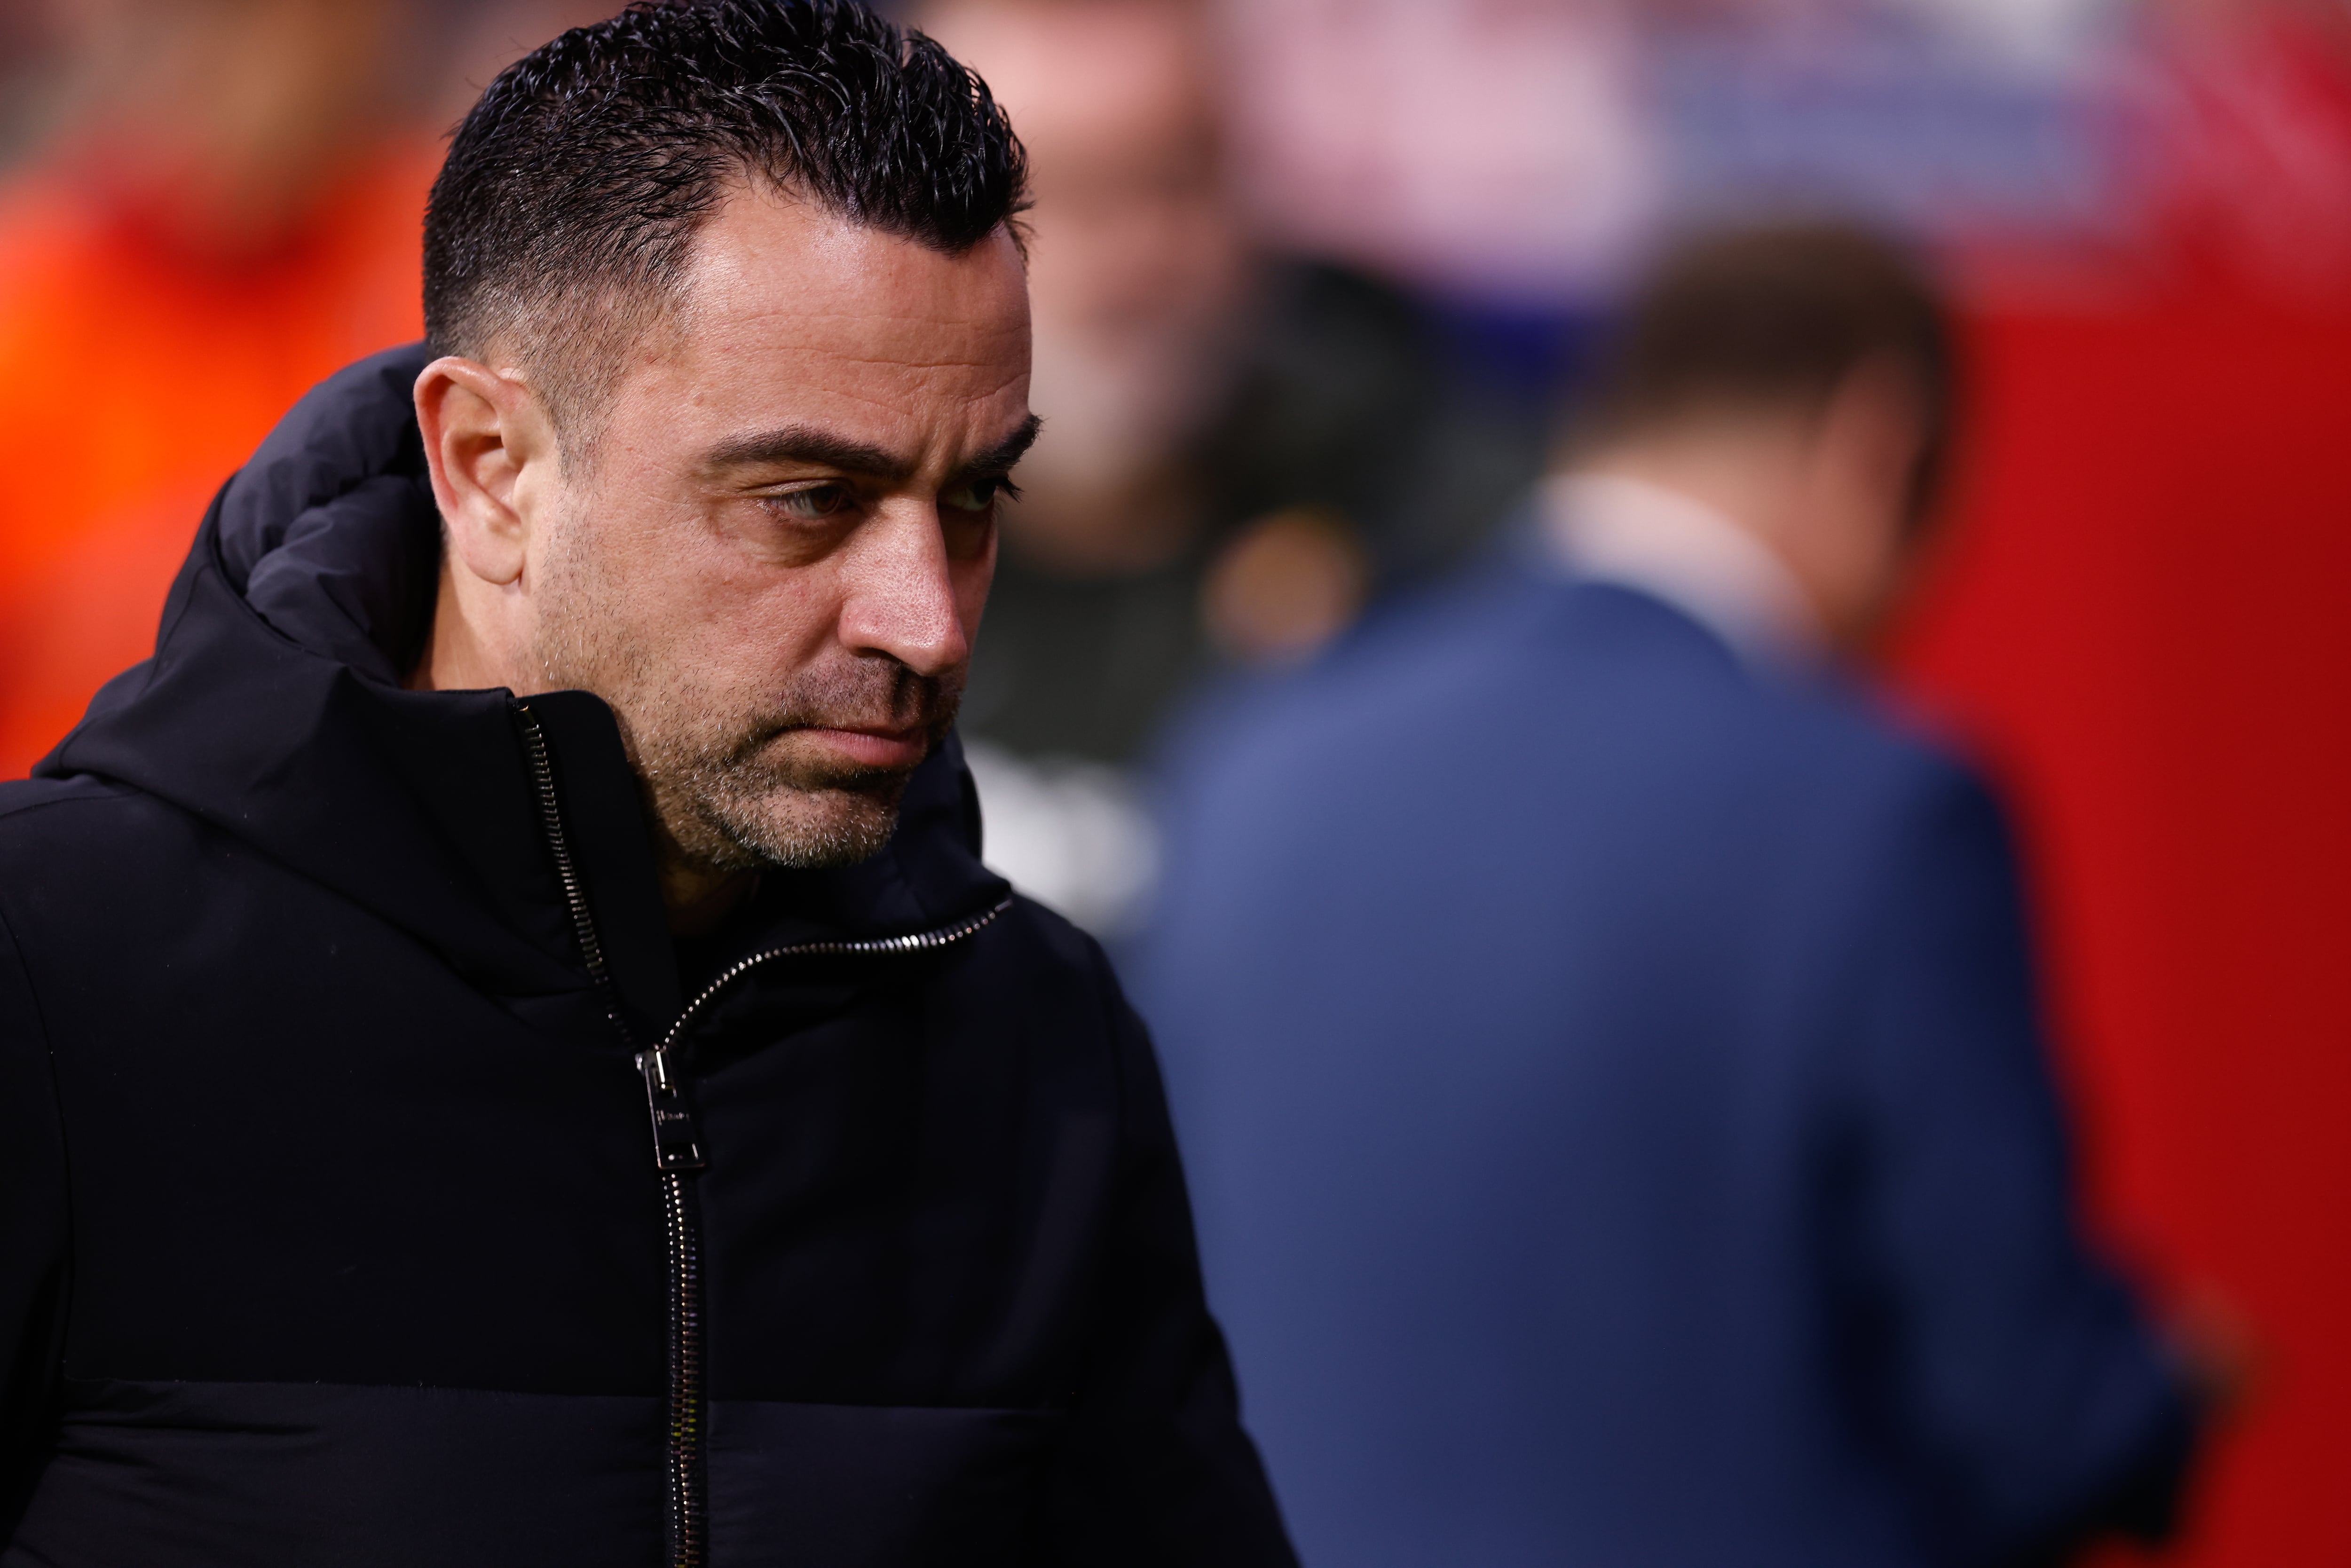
column 1620, row 1131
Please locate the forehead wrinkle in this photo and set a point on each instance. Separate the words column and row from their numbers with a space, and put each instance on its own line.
column 870, row 393
column 911, row 367
column 814, row 445
column 942, row 341
column 897, row 412
column 860, row 297
column 861, row 352
column 916, row 343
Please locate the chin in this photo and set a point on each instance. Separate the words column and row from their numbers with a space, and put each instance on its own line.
column 814, row 831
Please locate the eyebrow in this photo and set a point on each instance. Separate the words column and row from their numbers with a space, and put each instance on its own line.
column 1000, row 457
column 824, row 449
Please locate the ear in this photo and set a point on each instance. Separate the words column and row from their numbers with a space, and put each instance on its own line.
column 1875, row 430
column 484, row 435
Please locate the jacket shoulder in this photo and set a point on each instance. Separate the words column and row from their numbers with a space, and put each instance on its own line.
column 1878, row 755
column 22, row 801
column 1066, row 954
column 78, row 827
column 1571, row 680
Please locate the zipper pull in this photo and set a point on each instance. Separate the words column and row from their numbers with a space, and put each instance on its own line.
column 677, row 1138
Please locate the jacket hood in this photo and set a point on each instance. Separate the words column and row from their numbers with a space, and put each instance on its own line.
column 273, row 710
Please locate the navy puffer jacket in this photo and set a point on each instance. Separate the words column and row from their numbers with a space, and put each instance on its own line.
column 372, row 1191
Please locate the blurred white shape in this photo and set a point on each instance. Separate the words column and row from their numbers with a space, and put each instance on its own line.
column 1071, row 834
column 2023, row 33
column 1492, row 146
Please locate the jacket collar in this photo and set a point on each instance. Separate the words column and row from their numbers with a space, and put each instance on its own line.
column 1610, row 529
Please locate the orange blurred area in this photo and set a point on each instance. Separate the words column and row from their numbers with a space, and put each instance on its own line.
column 206, row 206
column 136, row 383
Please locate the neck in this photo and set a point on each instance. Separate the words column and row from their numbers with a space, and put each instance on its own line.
column 457, row 657
column 1749, row 478
column 700, row 899
column 1751, row 474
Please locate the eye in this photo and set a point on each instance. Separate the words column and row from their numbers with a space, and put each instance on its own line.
column 979, row 495
column 813, row 503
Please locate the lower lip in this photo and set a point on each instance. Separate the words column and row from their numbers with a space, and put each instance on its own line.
column 894, row 753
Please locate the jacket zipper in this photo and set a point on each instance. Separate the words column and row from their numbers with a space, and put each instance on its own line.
column 677, row 1143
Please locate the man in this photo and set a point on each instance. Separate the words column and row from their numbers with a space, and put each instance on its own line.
column 509, row 1051
column 1607, row 1050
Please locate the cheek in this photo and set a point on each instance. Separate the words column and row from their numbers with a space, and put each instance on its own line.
column 702, row 614
column 663, row 576
column 748, row 630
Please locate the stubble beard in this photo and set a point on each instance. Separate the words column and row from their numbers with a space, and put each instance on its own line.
column 727, row 784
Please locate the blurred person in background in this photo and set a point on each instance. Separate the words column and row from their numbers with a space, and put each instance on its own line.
column 223, row 206
column 1607, row 1049
column 225, row 210
column 1238, row 451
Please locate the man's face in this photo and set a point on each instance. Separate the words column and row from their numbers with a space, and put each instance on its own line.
column 772, row 564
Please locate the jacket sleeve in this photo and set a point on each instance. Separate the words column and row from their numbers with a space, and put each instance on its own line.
column 2035, row 1406
column 1156, row 1469
column 32, row 1241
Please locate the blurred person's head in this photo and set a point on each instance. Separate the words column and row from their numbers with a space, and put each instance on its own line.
column 219, row 124
column 1798, row 378
column 735, row 355
column 1138, row 265
column 482, row 37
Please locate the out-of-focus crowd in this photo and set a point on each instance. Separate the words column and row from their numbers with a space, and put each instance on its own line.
column 1317, row 284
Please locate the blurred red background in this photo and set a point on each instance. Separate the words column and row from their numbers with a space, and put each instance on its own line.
column 2142, row 627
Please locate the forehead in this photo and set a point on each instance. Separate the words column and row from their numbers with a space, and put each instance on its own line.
column 791, row 314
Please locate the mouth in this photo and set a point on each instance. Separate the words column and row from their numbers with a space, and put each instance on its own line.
column 879, row 749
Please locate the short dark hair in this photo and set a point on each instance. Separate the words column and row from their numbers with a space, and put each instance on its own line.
column 567, row 211
column 1777, row 313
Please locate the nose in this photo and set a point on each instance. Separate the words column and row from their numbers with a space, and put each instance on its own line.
column 900, row 594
